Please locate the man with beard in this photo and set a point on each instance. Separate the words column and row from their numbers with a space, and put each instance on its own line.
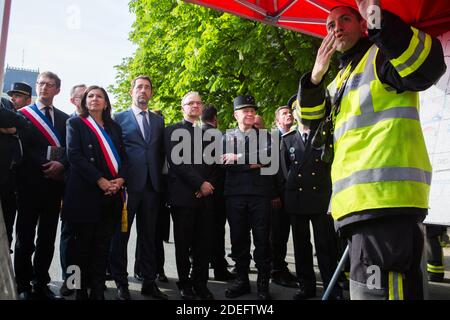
column 142, row 132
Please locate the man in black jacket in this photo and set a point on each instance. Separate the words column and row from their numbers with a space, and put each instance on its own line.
column 307, row 195
column 191, row 185
column 281, row 224
column 40, row 185
column 247, row 194
column 218, row 260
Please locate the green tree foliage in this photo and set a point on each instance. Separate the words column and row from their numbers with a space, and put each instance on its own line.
column 185, row 47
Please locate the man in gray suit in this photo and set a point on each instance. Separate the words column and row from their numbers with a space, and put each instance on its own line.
column 143, row 137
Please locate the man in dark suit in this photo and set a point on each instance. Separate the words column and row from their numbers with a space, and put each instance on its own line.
column 143, row 137
column 218, row 260
column 76, row 94
column 247, row 194
column 10, row 156
column 40, row 189
column 162, row 229
column 281, row 224
column 307, row 196
column 191, row 185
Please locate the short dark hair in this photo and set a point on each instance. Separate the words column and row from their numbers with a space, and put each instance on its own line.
column 353, row 10
column 106, row 114
column 133, row 82
column 209, row 113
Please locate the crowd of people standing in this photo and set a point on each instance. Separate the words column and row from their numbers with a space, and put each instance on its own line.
column 99, row 172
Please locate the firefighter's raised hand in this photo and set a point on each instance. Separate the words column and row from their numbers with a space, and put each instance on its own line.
column 365, row 7
column 323, row 58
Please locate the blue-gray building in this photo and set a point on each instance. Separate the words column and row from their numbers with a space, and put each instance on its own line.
column 13, row 74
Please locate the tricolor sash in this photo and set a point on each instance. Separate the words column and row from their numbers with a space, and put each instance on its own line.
column 112, row 160
column 108, row 149
column 43, row 124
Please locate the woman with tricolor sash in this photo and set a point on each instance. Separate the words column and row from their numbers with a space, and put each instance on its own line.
column 94, row 196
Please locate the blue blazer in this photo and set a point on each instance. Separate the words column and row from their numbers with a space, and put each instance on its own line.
column 145, row 159
column 83, row 199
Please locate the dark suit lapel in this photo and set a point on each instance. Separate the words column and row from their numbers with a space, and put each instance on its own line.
column 153, row 123
column 60, row 122
column 135, row 123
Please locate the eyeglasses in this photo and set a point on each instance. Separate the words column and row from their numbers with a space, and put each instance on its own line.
column 191, row 103
column 48, row 84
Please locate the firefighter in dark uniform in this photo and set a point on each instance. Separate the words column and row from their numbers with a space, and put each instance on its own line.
column 307, row 196
column 247, row 194
column 435, row 254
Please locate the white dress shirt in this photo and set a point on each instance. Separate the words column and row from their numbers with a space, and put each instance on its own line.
column 140, row 118
column 302, row 131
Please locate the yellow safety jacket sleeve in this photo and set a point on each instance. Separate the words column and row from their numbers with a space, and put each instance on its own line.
column 409, row 59
column 312, row 101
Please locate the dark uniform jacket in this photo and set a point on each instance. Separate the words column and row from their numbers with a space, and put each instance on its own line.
column 83, row 197
column 240, row 179
column 308, row 180
column 10, row 145
column 186, row 178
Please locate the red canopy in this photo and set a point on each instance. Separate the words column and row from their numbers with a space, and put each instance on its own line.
column 309, row 16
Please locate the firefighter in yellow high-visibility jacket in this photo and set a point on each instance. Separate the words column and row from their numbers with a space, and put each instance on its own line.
column 381, row 173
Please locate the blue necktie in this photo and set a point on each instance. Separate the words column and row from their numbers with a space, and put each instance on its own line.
column 146, row 126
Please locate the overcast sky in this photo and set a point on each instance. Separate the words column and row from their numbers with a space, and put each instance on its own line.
column 80, row 40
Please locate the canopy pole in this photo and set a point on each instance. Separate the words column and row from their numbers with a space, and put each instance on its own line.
column 5, row 10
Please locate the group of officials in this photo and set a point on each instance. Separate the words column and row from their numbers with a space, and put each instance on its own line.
column 76, row 167
column 108, row 171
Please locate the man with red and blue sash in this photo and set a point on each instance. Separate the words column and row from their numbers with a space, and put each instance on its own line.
column 40, row 190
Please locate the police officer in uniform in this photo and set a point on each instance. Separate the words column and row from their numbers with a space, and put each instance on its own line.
column 10, row 156
column 20, row 94
column 247, row 195
column 307, row 196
